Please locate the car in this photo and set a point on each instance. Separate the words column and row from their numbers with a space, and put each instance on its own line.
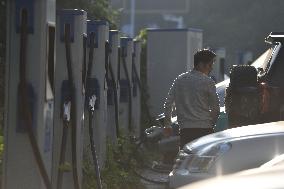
column 278, row 160
column 268, row 176
column 227, row 152
column 255, row 92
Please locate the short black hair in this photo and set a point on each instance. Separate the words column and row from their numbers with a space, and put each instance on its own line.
column 204, row 56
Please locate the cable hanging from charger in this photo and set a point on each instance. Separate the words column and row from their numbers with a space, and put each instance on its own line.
column 73, row 109
column 91, row 99
column 123, row 54
column 114, row 85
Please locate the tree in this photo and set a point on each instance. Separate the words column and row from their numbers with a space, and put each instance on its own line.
column 96, row 9
column 236, row 25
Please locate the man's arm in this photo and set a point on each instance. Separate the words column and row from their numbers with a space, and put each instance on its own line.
column 169, row 104
column 213, row 102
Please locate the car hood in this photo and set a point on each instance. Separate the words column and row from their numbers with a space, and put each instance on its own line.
column 269, row 178
column 231, row 134
column 278, row 160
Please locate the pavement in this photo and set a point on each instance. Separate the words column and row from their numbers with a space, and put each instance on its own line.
column 153, row 180
column 149, row 185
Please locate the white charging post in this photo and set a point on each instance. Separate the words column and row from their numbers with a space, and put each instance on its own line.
column 179, row 46
column 28, row 94
column 218, row 71
column 69, row 99
column 113, row 104
column 99, row 85
column 125, row 67
column 136, row 108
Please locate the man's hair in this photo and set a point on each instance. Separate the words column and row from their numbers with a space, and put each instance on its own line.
column 203, row 56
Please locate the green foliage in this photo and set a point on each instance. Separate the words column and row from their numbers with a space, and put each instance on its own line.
column 120, row 165
column 1, row 150
column 96, row 9
column 119, row 172
column 65, row 167
column 1, row 147
column 89, row 177
column 236, row 25
column 142, row 36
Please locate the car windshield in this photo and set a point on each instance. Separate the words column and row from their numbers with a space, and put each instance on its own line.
column 221, row 88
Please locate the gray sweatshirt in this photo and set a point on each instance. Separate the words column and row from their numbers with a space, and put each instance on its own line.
column 194, row 96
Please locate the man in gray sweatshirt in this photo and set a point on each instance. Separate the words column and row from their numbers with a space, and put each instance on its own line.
column 194, row 96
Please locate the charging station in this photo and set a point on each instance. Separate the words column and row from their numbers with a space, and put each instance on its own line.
column 69, row 99
column 125, row 67
column 170, row 51
column 136, row 108
column 98, row 85
column 218, row 71
column 113, row 87
column 29, row 94
column 244, row 57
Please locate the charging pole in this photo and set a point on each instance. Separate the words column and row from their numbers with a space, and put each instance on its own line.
column 125, row 106
column 69, row 99
column 218, row 71
column 98, row 85
column 28, row 94
column 136, row 113
column 113, row 92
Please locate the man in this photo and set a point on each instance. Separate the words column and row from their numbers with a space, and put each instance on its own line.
column 194, row 96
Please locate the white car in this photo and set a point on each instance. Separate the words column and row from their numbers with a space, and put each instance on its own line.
column 227, row 152
column 268, row 176
column 278, row 160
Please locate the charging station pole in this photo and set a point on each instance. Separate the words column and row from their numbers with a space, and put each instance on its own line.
column 136, row 113
column 219, row 67
column 99, row 86
column 126, row 48
column 28, row 95
column 113, row 104
column 69, row 99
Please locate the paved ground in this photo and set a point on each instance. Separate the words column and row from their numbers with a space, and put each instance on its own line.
column 150, row 185
column 159, row 180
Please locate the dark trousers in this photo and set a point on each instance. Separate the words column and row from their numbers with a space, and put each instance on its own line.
column 189, row 134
